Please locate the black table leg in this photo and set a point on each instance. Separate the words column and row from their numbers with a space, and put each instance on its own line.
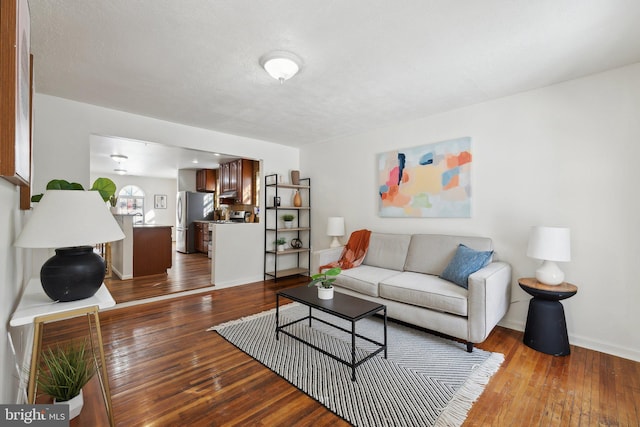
column 353, row 350
column 277, row 317
column 385, row 332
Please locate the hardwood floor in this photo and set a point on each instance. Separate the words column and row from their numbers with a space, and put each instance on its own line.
column 166, row 370
column 188, row 272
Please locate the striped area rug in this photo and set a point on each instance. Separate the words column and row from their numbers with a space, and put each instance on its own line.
column 426, row 380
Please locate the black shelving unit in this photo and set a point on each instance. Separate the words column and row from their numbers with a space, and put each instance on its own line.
column 301, row 229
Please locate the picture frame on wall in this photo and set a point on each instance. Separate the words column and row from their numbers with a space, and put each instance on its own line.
column 160, row 201
column 426, row 181
column 15, row 93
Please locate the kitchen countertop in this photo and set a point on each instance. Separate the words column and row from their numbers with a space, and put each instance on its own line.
column 150, row 226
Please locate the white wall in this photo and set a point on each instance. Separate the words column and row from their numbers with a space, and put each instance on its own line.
column 12, row 262
column 151, row 187
column 562, row 155
column 62, row 129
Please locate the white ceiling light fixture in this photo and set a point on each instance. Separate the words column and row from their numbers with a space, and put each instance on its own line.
column 119, row 157
column 120, row 170
column 281, row 65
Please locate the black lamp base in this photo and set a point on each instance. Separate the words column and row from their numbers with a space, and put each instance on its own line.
column 72, row 274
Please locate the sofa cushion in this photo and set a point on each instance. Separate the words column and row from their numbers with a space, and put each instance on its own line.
column 465, row 262
column 364, row 279
column 387, row 250
column 431, row 253
column 425, row 290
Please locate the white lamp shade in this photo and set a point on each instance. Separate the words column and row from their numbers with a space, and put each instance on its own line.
column 69, row 218
column 335, row 226
column 550, row 243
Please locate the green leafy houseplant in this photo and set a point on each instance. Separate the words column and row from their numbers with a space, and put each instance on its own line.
column 65, row 370
column 105, row 186
column 280, row 241
column 288, row 217
column 325, row 279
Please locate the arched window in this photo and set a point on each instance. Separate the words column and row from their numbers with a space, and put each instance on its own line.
column 131, row 202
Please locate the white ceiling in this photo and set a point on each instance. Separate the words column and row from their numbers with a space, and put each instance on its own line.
column 148, row 159
column 366, row 63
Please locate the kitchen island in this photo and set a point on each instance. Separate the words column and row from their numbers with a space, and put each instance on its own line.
column 145, row 249
column 237, row 253
column 151, row 249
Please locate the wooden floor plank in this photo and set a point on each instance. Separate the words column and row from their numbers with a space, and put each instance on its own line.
column 166, row 369
column 188, row 272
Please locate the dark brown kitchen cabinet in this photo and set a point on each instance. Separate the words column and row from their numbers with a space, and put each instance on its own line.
column 151, row 250
column 201, row 229
column 225, row 182
column 206, row 180
column 237, row 177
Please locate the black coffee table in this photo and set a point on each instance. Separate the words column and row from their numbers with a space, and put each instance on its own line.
column 343, row 306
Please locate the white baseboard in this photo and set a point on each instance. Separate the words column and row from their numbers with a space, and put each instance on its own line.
column 585, row 342
column 120, row 275
column 237, row 282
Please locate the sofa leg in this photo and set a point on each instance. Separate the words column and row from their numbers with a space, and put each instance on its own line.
column 469, row 347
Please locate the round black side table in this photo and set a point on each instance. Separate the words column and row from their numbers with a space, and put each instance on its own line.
column 546, row 329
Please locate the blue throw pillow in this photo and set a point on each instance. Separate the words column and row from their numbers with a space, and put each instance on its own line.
column 465, row 262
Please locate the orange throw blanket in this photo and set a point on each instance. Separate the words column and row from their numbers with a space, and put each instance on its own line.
column 353, row 253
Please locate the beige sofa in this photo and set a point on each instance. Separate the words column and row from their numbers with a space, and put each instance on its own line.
column 402, row 271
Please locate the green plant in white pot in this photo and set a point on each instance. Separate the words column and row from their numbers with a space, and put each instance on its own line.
column 65, row 370
column 288, row 220
column 324, row 282
column 280, row 244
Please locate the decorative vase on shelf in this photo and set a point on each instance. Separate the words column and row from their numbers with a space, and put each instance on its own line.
column 297, row 200
column 295, row 177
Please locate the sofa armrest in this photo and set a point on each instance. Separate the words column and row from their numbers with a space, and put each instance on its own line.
column 488, row 299
column 324, row 256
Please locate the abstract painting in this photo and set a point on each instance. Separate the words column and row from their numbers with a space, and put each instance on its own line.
column 428, row 181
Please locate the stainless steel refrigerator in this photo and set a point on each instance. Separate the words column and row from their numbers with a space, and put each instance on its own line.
column 190, row 206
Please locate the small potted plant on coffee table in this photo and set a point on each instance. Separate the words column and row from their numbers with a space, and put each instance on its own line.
column 324, row 282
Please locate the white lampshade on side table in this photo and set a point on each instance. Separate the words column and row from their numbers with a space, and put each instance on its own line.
column 335, row 229
column 551, row 245
column 71, row 222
